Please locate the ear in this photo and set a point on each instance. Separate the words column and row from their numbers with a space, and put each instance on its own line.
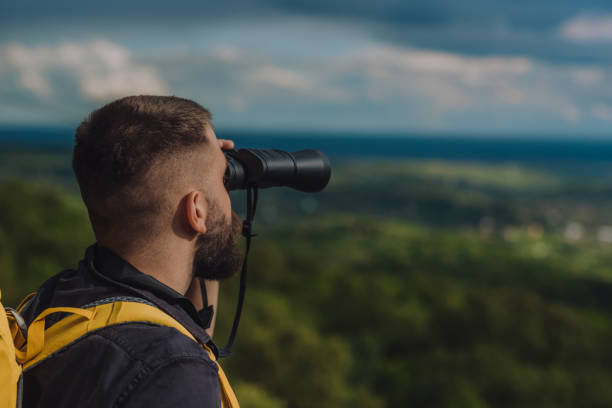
column 196, row 211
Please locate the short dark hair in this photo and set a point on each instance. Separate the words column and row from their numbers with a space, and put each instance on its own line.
column 117, row 145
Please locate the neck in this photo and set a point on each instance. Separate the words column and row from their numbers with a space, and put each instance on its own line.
column 168, row 261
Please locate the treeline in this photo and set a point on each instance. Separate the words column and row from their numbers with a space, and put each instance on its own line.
column 435, row 193
column 43, row 229
column 351, row 311
column 411, row 317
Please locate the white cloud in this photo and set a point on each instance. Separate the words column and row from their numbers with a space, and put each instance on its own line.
column 281, row 78
column 588, row 28
column 121, row 82
column 369, row 86
column 448, row 80
column 511, row 90
column 237, row 103
column 33, row 81
column 571, row 113
column 587, row 76
column 317, row 86
column 602, row 111
column 226, row 53
column 100, row 69
column 387, row 61
column 510, row 94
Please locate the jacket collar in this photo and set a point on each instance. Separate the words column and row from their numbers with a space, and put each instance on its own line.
column 114, row 269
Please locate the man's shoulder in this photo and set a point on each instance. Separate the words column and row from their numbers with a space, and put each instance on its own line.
column 168, row 361
column 70, row 287
column 151, row 344
column 140, row 344
column 123, row 364
column 129, row 364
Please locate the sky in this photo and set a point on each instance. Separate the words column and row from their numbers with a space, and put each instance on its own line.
column 486, row 67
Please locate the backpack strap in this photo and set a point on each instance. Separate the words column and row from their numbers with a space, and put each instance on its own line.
column 43, row 343
column 10, row 370
column 35, row 344
column 25, row 302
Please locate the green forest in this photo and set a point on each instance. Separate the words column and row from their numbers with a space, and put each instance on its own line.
column 406, row 283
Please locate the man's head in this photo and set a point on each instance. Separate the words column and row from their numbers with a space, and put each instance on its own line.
column 150, row 169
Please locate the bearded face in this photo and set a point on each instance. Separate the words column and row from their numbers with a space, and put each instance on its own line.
column 217, row 256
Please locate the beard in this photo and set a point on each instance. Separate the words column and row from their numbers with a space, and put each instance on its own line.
column 217, row 256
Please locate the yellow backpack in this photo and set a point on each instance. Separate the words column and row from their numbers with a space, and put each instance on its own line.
column 21, row 346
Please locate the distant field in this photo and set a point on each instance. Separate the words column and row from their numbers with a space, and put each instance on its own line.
column 493, row 195
column 356, row 309
column 560, row 211
column 430, row 273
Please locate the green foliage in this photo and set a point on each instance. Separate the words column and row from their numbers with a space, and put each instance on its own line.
column 42, row 231
column 316, row 375
column 431, row 319
column 365, row 308
column 253, row 396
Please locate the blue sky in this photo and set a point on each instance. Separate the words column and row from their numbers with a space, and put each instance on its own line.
column 440, row 66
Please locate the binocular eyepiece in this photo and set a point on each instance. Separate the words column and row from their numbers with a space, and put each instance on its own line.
column 306, row 170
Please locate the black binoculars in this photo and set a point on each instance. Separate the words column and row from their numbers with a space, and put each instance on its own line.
column 306, row 170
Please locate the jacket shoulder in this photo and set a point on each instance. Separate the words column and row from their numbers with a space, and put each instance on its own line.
column 121, row 363
column 153, row 344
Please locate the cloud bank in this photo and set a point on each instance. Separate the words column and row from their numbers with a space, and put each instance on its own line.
column 425, row 68
column 100, row 69
column 588, row 29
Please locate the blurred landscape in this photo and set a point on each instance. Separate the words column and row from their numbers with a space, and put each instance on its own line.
column 432, row 272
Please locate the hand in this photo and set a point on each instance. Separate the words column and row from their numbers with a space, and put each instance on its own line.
column 225, row 144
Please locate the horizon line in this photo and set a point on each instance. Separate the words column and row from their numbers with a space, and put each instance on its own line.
column 355, row 133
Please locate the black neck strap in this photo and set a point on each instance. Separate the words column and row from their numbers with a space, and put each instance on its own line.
column 247, row 233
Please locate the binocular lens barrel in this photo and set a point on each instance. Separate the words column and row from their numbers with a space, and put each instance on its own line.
column 305, row 170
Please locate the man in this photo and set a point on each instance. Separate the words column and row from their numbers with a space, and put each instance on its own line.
column 150, row 170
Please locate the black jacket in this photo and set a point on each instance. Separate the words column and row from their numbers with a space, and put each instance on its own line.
column 127, row 365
